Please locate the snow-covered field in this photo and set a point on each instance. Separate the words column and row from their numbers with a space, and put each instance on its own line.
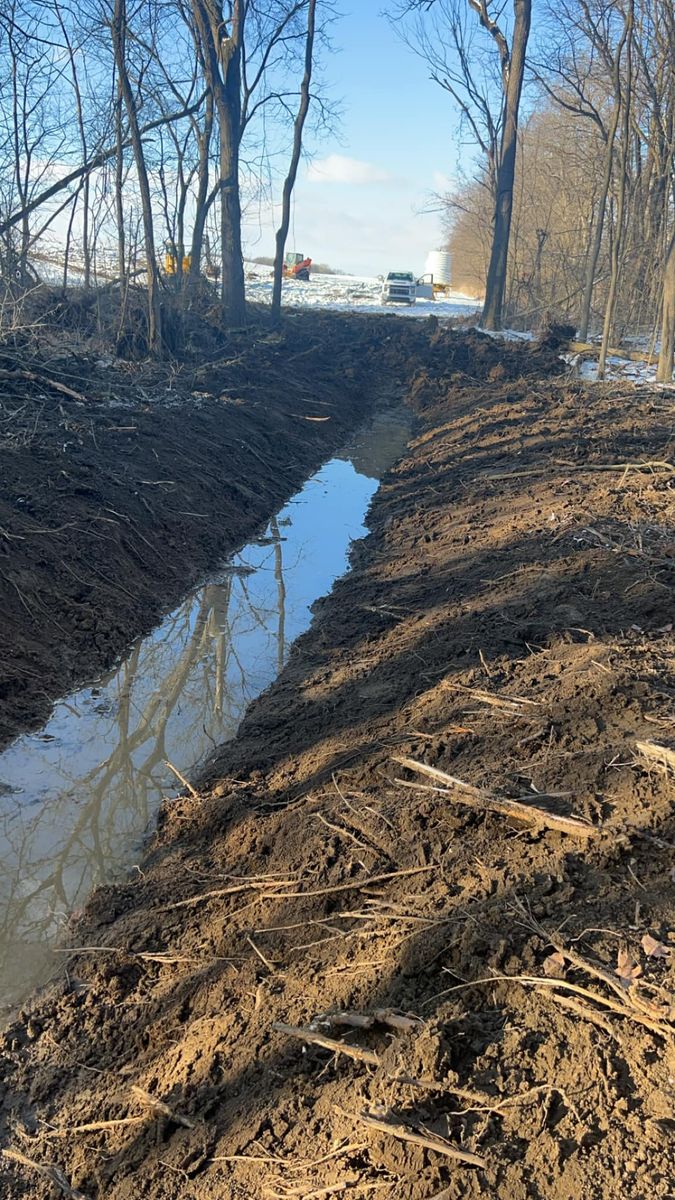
column 348, row 293
column 620, row 368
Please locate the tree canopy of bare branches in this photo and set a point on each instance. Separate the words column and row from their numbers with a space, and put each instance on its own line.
column 135, row 127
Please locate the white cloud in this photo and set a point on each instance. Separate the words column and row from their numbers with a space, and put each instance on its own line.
column 337, row 168
column 444, row 183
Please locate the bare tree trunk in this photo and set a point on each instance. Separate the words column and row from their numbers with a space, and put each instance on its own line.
column 152, row 274
column 593, row 258
column 202, row 202
column 289, row 182
column 513, row 72
column 69, row 234
column 21, row 150
column 86, row 248
column 617, row 243
column 596, row 245
column 79, row 108
column 229, row 119
column 664, row 370
column 222, row 65
column 119, row 180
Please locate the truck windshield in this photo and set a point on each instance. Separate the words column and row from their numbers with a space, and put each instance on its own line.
column 400, row 276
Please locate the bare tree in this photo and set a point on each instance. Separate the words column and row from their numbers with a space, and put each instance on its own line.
column 487, row 87
column 45, row 196
column 585, row 73
column 221, row 41
column 513, row 70
column 443, row 33
column 190, row 101
column 664, row 372
column 32, row 122
column 74, row 55
column 625, row 102
column 289, row 182
column 119, row 37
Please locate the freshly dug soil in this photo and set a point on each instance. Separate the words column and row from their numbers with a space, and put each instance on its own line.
column 112, row 505
column 508, row 986
column 118, row 493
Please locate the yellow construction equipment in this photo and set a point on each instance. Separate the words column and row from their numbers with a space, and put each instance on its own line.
column 171, row 259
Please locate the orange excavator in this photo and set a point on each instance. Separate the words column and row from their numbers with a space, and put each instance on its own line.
column 297, row 267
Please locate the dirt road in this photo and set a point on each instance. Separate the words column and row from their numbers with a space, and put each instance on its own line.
column 482, row 965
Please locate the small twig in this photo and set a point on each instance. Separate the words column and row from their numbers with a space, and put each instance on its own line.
column 510, row 703
column 380, row 816
column 179, row 775
column 583, row 1010
column 584, row 964
column 255, row 885
column 95, row 1126
column 349, row 886
column 265, row 961
column 359, row 1053
column 486, row 665
column 628, row 997
column 355, row 884
column 162, row 957
column 48, row 1171
column 381, row 1016
column 479, row 1101
column 623, row 466
column 32, row 377
column 545, row 985
column 160, row 1107
column 405, row 1134
column 662, row 755
column 342, row 832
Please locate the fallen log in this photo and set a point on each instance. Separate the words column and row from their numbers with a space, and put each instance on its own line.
column 521, row 810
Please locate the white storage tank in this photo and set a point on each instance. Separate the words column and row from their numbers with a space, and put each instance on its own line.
column 439, row 264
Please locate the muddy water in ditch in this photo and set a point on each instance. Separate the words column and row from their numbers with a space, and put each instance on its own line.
column 77, row 798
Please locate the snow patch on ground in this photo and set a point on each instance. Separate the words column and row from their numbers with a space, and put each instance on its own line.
column 617, row 368
column 510, row 335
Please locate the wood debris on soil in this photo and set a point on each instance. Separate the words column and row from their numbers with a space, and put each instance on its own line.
column 520, row 810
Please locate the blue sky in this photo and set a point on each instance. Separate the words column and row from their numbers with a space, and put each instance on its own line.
column 358, row 202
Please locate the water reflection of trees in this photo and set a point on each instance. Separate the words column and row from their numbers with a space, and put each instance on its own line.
column 76, row 805
column 180, row 692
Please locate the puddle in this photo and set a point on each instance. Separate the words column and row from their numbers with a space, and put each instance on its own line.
column 78, row 798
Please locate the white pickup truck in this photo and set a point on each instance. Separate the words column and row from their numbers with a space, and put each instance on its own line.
column 401, row 287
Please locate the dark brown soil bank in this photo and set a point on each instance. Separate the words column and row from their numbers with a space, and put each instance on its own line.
column 499, row 987
column 121, row 485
